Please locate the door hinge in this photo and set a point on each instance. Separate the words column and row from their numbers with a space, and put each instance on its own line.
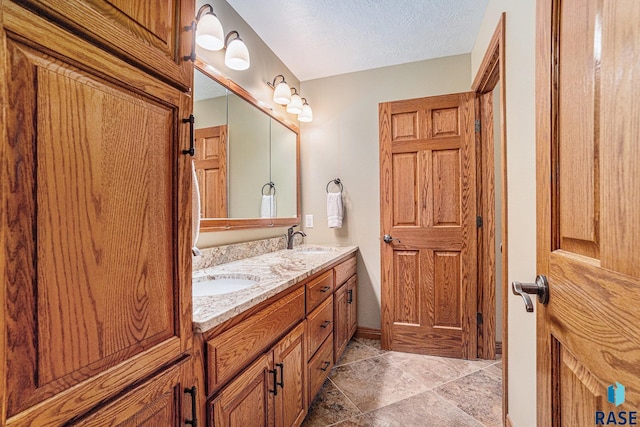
column 479, row 221
column 479, row 318
column 477, row 125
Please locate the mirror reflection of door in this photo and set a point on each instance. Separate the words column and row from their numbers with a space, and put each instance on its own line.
column 211, row 169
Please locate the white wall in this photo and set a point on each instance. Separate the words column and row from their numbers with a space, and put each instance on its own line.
column 521, row 181
column 342, row 142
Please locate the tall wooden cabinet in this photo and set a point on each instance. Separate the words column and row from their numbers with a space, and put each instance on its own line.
column 95, row 212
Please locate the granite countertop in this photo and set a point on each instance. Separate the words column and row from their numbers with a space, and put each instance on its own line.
column 274, row 271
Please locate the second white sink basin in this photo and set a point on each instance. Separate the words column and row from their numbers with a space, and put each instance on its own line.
column 221, row 285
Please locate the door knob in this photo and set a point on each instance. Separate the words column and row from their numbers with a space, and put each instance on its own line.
column 388, row 239
column 540, row 288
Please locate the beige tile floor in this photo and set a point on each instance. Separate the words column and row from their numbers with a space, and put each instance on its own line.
column 371, row 387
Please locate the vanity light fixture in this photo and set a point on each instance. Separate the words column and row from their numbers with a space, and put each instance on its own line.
column 307, row 114
column 209, row 35
column 289, row 96
column 281, row 92
column 237, row 54
column 209, row 32
column 295, row 106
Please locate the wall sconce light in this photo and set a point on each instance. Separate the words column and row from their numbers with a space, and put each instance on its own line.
column 307, row 114
column 281, row 92
column 208, row 34
column 237, row 55
column 284, row 95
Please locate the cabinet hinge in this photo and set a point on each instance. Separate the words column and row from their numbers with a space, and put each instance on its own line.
column 479, row 221
column 477, row 125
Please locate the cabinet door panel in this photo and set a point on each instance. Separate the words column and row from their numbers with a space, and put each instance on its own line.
column 341, row 327
column 92, row 185
column 248, row 399
column 150, row 33
column 289, row 359
column 159, row 402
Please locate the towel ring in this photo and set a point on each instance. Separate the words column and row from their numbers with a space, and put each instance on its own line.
column 271, row 186
column 336, row 182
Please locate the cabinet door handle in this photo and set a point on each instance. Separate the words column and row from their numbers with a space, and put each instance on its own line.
column 350, row 296
column 325, row 289
column 325, row 324
column 192, row 56
column 281, row 367
column 326, row 366
column 275, row 382
column 194, row 408
column 191, row 120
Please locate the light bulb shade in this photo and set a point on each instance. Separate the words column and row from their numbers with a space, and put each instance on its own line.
column 282, row 93
column 210, row 35
column 237, row 55
column 295, row 106
column 306, row 115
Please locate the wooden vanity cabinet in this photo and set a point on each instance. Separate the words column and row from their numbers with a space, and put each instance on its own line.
column 271, row 391
column 96, row 225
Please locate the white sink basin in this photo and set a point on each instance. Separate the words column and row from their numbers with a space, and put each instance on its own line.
column 213, row 285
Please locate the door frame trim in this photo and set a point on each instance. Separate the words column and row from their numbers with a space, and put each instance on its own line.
column 491, row 73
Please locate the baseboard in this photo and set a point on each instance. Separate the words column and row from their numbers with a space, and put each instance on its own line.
column 369, row 333
column 508, row 422
column 498, row 347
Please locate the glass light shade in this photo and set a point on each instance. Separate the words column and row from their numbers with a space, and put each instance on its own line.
column 306, row 115
column 210, row 34
column 295, row 106
column 282, row 93
column 237, row 55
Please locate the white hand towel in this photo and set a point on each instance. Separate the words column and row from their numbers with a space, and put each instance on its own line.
column 268, row 206
column 334, row 210
column 195, row 210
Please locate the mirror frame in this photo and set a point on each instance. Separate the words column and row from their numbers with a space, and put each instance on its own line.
column 224, row 224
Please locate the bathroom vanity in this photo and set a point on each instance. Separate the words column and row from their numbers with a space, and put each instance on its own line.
column 263, row 352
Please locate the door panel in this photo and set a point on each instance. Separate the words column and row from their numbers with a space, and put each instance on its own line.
column 211, row 168
column 588, row 217
column 428, row 192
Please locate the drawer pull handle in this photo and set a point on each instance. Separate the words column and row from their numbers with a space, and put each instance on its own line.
column 325, row 324
column 281, row 367
column 325, row 289
column 326, row 366
column 350, row 296
column 275, row 382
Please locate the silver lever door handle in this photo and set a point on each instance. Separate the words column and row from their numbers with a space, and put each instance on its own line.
column 388, row 239
column 540, row 288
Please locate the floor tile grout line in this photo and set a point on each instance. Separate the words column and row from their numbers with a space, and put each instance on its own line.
column 449, row 402
column 345, row 396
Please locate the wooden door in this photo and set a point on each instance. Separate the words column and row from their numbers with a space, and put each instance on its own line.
column 340, row 321
column 289, row 359
column 211, row 168
column 588, row 128
column 428, row 206
column 352, row 306
column 96, row 263
column 248, row 399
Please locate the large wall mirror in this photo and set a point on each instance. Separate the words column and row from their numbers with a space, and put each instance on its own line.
column 247, row 158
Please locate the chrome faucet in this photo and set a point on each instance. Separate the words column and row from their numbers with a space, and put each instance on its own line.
column 291, row 235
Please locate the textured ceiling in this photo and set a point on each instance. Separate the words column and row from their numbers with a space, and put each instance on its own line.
column 320, row 38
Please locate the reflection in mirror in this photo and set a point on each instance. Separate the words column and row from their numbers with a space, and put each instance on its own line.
column 210, row 109
column 248, row 158
column 241, row 147
column 284, row 168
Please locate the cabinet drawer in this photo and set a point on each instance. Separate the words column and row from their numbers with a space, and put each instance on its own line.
column 345, row 270
column 233, row 349
column 319, row 367
column 319, row 289
column 319, row 326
